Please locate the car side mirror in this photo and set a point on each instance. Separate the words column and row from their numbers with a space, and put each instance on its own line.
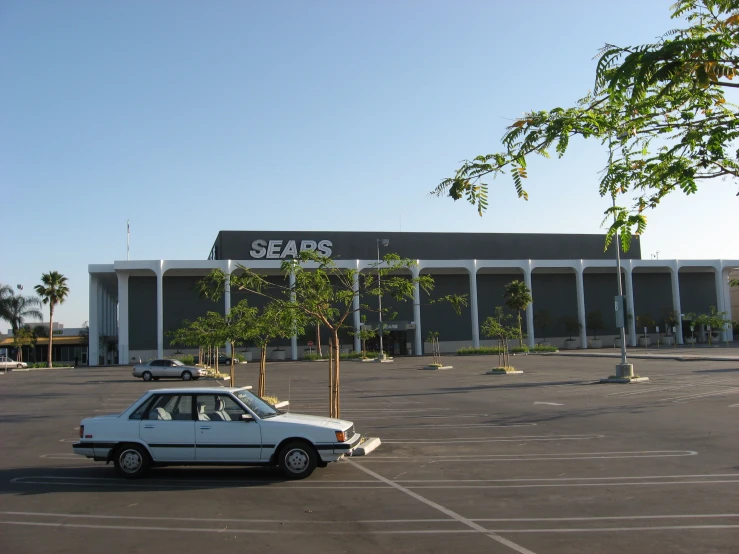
column 247, row 417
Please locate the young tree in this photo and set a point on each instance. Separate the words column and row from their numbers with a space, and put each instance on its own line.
column 594, row 322
column 541, row 320
column 273, row 322
column 364, row 333
column 659, row 109
column 500, row 326
column 517, row 297
column 325, row 293
column 53, row 290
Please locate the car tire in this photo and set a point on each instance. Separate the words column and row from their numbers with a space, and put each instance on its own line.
column 146, row 376
column 297, row 459
column 195, row 378
column 156, row 378
column 131, row 461
column 19, row 366
column 186, row 375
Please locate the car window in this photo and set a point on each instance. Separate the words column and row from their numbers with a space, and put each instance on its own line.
column 170, row 407
column 177, row 362
column 156, row 363
column 219, row 407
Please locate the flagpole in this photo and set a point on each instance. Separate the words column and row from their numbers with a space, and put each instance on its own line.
column 128, row 237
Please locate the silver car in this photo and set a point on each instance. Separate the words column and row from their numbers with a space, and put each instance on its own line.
column 9, row 363
column 156, row 369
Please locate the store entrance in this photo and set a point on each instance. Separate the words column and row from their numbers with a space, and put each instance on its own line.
column 397, row 343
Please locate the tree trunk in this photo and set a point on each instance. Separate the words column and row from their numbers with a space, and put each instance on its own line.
column 262, row 371
column 318, row 340
column 216, row 360
column 520, row 330
column 51, row 331
column 337, row 375
column 233, row 372
column 330, row 382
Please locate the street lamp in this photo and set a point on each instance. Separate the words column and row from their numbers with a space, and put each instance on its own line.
column 384, row 242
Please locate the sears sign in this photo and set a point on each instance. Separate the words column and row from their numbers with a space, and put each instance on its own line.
column 280, row 249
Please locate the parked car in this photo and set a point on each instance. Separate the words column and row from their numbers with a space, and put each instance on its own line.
column 156, row 369
column 9, row 363
column 222, row 360
column 216, row 426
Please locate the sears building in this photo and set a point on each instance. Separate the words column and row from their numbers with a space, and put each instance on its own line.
column 133, row 304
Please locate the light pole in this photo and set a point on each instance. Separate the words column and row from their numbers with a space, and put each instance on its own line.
column 620, row 286
column 385, row 242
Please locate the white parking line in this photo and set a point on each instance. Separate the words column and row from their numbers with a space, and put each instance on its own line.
column 447, row 511
column 461, row 426
column 476, row 458
column 701, row 395
column 515, row 438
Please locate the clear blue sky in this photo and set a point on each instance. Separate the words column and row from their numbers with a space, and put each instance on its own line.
column 191, row 117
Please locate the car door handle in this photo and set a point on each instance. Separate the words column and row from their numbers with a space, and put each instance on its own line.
column 205, row 427
column 148, row 427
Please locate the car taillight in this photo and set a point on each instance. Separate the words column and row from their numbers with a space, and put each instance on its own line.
column 82, row 430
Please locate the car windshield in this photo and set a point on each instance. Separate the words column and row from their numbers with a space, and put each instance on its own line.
column 256, row 404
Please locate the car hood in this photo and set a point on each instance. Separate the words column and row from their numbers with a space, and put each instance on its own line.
column 300, row 419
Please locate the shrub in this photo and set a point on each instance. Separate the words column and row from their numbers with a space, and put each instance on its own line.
column 54, row 364
column 187, row 359
column 349, row 356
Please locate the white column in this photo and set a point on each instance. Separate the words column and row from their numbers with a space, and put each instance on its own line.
column 530, row 307
column 294, row 338
column 227, row 305
column 93, row 338
column 719, row 276
column 473, row 305
column 675, row 279
column 727, row 302
column 160, row 311
column 123, row 357
column 629, row 291
column 418, row 347
column 581, row 305
column 357, row 319
column 102, row 323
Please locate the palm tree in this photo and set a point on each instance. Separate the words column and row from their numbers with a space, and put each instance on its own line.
column 517, row 296
column 17, row 308
column 6, row 293
column 52, row 291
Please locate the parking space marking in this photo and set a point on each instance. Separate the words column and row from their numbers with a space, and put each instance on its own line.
column 515, row 438
column 547, row 479
column 472, row 458
column 460, row 426
column 613, row 529
column 454, row 515
column 607, row 518
column 60, row 456
column 701, row 395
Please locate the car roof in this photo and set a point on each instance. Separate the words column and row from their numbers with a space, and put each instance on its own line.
column 195, row 390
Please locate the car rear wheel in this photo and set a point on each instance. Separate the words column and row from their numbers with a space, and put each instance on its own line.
column 186, row 375
column 131, row 461
column 146, row 376
column 297, row 459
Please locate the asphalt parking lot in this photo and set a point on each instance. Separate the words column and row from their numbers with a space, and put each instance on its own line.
column 547, row 461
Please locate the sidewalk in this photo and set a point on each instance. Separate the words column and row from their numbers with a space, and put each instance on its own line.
column 702, row 352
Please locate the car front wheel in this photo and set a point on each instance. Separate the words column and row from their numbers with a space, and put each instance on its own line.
column 146, row 376
column 131, row 461
column 297, row 459
column 186, row 375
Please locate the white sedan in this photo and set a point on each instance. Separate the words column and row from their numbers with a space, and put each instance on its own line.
column 9, row 363
column 217, row 426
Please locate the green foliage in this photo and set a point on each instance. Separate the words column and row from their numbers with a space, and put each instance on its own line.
column 15, row 309
column 594, row 322
column 734, row 282
column 53, row 290
column 572, row 325
column 471, row 351
column 714, row 319
column 658, row 109
column 517, row 296
column 41, row 365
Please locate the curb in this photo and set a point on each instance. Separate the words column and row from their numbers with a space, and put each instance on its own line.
column 679, row 357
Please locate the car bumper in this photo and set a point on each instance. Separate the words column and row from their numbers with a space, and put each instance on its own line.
column 96, row 451
column 358, row 446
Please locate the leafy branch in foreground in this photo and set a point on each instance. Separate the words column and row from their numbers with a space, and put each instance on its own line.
column 659, row 109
